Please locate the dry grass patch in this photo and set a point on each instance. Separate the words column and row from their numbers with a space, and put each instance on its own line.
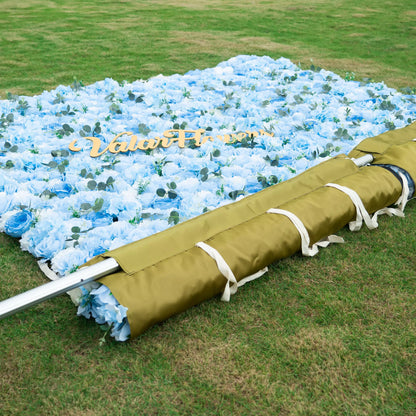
column 365, row 68
column 368, row 10
column 13, row 37
column 226, row 364
column 126, row 23
column 402, row 46
column 311, row 340
column 230, row 44
column 356, row 35
column 27, row 4
column 212, row 43
column 239, row 4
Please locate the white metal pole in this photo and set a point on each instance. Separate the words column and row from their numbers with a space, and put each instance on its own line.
column 57, row 287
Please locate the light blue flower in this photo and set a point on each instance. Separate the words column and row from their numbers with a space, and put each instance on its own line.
column 104, row 308
column 121, row 332
column 69, row 258
column 5, row 203
column 61, row 189
column 49, row 246
column 18, row 223
column 100, row 219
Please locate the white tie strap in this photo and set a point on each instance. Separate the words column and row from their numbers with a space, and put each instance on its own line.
column 304, row 235
column 331, row 239
column 404, row 197
column 362, row 213
column 401, row 202
column 303, row 232
column 232, row 285
column 50, row 274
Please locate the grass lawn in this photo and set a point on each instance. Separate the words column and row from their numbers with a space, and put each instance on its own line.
column 331, row 335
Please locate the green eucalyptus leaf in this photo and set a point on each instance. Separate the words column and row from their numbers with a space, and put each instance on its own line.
column 160, row 192
column 101, row 186
column 143, row 129
column 85, row 206
column 273, row 179
column 173, row 217
column 172, row 194
column 275, row 161
column 99, row 202
column 91, row 184
column 235, row 194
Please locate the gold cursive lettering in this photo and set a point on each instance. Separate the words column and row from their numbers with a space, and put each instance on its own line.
column 72, row 147
column 262, row 132
column 169, row 137
column 180, row 136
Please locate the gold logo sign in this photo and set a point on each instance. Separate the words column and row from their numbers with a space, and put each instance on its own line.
column 129, row 142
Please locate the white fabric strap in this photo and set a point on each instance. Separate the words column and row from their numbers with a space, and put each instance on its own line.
column 388, row 211
column 362, row 213
column 47, row 271
column 303, row 232
column 401, row 202
column 331, row 239
column 404, row 197
column 232, row 285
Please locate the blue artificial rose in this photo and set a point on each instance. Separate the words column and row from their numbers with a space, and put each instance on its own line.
column 100, row 219
column 4, row 203
column 18, row 223
column 49, row 246
column 61, row 189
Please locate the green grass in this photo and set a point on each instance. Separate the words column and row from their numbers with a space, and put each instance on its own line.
column 331, row 335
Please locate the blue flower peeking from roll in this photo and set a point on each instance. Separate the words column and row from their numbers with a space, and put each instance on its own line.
column 19, row 223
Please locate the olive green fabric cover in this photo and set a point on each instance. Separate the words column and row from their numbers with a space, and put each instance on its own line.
column 166, row 273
